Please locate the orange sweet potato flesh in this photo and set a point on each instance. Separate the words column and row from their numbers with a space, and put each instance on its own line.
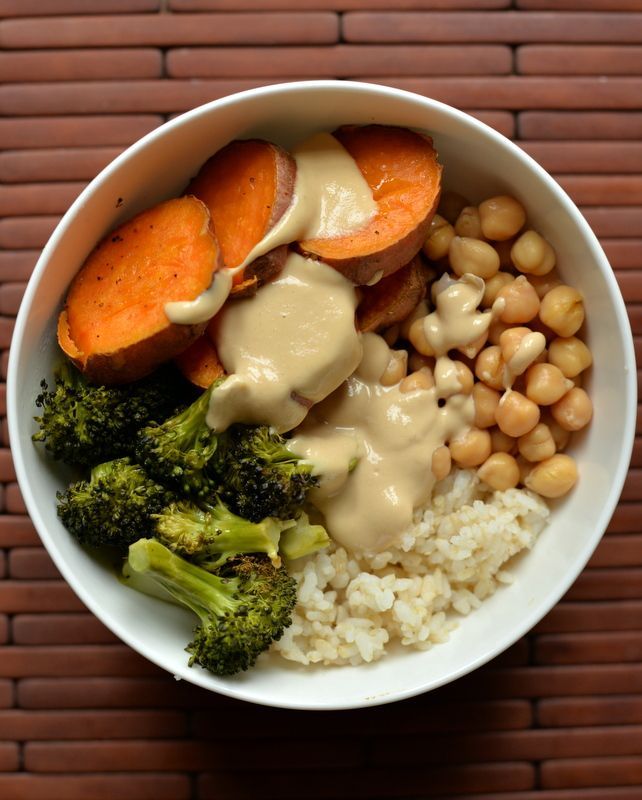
column 113, row 325
column 200, row 363
column 401, row 168
column 392, row 298
column 247, row 186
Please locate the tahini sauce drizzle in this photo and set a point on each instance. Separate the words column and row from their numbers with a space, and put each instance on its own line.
column 393, row 434
column 287, row 347
column 331, row 198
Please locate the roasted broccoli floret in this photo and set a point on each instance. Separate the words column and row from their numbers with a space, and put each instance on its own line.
column 242, row 608
column 176, row 452
column 84, row 425
column 202, row 531
column 260, row 477
column 114, row 507
column 303, row 538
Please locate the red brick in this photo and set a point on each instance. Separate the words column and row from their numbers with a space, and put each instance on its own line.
column 588, row 711
column 17, row 265
column 626, row 518
column 620, row 221
column 3, row 398
column 337, row 61
column 633, row 484
column 426, row 781
column 166, row 30
column 638, row 422
column 607, row 584
column 10, row 298
column 31, row 562
column 7, row 472
column 582, row 648
column 602, row 190
column 511, row 27
column 4, row 626
column 579, row 125
column 618, row 551
column 28, row 8
column 4, row 365
column 60, row 629
column 9, row 757
column 18, row 166
column 17, row 531
column 623, row 253
column 581, row 5
column 83, row 692
column 578, row 60
column 612, row 793
column 84, row 660
column 37, row 198
column 23, row 786
column 13, row 502
column 636, row 457
column 74, row 131
column 532, row 745
column 6, row 694
column 144, row 756
column 611, row 616
column 635, row 316
column 514, row 92
column 17, row 596
column 80, row 65
column 329, row 5
column 570, row 157
column 502, row 121
column 64, row 725
column 578, row 772
column 629, row 283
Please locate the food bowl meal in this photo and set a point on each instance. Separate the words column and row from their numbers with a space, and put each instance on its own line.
column 356, row 513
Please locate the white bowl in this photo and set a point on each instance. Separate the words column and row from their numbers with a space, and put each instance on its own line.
column 478, row 162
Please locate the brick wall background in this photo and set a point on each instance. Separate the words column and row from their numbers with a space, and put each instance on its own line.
column 559, row 716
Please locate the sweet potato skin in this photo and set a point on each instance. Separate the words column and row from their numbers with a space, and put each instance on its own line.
column 113, row 325
column 247, row 186
column 392, row 298
column 380, row 248
column 200, row 363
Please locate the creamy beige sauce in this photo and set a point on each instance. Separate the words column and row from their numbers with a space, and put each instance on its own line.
column 394, row 436
column 331, row 197
column 205, row 306
column 530, row 348
column 285, row 348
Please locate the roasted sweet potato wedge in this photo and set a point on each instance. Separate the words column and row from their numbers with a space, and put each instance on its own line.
column 113, row 325
column 392, row 298
column 401, row 168
column 247, row 186
column 200, row 363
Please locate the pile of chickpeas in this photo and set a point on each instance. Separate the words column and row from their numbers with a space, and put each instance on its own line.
column 519, row 434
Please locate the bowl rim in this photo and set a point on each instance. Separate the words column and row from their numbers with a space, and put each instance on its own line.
column 538, row 611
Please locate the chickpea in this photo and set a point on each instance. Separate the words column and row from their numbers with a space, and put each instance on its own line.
column 553, row 477
column 495, row 330
column 501, row 442
column 520, row 347
column 468, row 223
column 560, row 436
column 451, row 205
column 417, row 338
column 470, row 448
column 441, row 463
column 420, row 310
column 538, row 444
column 516, row 414
column 422, row 379
column 493, row 286
column 522, row 302
column 471, row 349
column 391, row 334
column 544, row 283
column 574, row 411
column 532, row 254
column 486, row 402
column 416, row 361
column 501, row 217
column 465, row 377
column 440, row 235
column 570, row 354
column 490, row 367
column 473, row 256
column 396, row 369
column 562, row 309
column 500, row 472
column 525, row 468
column 545, row 384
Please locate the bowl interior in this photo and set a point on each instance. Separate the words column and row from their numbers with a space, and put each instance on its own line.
column 478, row 162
